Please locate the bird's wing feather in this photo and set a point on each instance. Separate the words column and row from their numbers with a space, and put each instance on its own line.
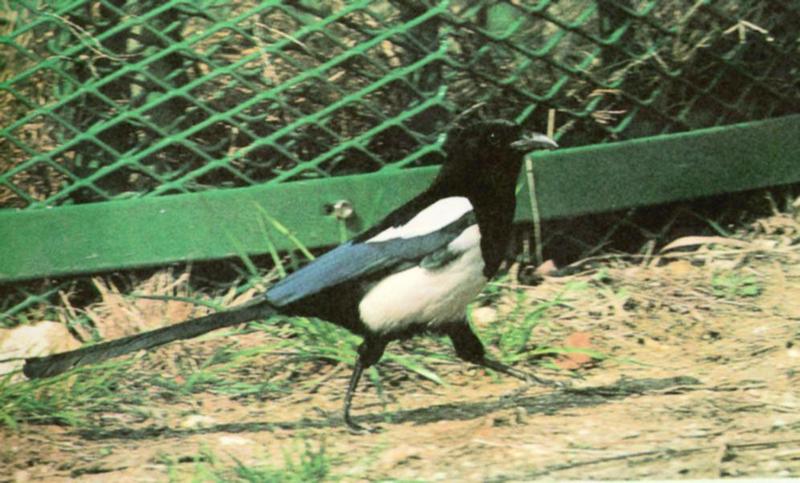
column 360, row 259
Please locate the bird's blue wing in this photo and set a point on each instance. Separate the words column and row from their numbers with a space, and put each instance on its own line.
column 353, row 260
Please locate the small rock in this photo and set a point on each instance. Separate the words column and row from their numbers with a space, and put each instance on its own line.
column 194, row 421
column 520, row 415
column 679, row 268
column 235, row 441
column 575, row 360
column 484, row 315
column 548, row 267
column 33, row 340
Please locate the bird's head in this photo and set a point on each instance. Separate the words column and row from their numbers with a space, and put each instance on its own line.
column 487, row 155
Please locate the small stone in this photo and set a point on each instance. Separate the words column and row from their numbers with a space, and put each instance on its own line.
column 235, row 441
column 39, row 339
column 484, row 315
column 195, row 421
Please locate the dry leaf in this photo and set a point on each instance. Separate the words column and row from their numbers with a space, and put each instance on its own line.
column 690, row 241
column 575, row 360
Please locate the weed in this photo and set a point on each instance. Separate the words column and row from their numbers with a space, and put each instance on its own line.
column 317, row 339
column 309, row 464
column 283, row 230
column 733, row 285
column 512, row 337
column 66, row 399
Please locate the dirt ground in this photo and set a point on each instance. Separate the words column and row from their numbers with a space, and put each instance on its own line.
column 700, row 380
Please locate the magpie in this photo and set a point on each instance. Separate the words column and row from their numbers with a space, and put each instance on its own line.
column 413, row 272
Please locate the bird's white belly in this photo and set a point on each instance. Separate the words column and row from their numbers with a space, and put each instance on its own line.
column 427, row 296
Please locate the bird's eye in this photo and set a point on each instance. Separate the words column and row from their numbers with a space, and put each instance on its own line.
column 494, row 138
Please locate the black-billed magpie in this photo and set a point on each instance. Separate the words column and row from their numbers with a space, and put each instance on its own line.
column 413, row 272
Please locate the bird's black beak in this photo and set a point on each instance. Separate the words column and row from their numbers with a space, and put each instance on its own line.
column 529, row 142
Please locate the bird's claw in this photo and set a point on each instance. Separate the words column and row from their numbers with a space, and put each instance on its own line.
column 527, row 377
column 531, row 379
column 359, row 429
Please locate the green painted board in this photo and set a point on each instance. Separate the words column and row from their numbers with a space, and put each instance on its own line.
column 222, row 223
column 200, row 226
column 668, row 168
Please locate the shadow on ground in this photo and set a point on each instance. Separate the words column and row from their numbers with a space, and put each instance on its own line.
column 551, row 403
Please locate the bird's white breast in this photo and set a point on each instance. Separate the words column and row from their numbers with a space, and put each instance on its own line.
column 427, row 296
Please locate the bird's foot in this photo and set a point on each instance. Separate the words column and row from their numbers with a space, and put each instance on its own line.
column 529, row 378
column 533, row 379
column 356, row 428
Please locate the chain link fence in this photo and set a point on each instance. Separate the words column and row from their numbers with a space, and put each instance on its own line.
column 114, row 99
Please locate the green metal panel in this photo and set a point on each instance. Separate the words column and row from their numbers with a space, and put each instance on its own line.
column 197, row 226
column 221, row 223
column 668, row 168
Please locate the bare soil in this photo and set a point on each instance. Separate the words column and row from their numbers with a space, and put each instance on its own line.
column 701, row 381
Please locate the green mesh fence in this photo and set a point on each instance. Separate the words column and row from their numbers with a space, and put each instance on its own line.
column 109, row 99
column 112, row 99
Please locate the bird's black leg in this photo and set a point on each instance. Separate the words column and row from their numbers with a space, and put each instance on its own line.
column 469, row 348
column 369, row 352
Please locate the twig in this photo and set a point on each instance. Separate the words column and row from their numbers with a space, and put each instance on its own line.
column 537, row 219
column 327, row 377
column 624, row 456
column 763, row 444
column 637, row 256
column 294, row 40
column 82, row 34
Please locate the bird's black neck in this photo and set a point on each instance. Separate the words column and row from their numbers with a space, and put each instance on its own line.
column 495, row 224
column 492, row 199
column 494, row 203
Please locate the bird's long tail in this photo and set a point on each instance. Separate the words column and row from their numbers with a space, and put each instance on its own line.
column 37, row 367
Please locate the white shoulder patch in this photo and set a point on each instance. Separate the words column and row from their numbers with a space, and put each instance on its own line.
column 432, row 218
column 426, row 297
